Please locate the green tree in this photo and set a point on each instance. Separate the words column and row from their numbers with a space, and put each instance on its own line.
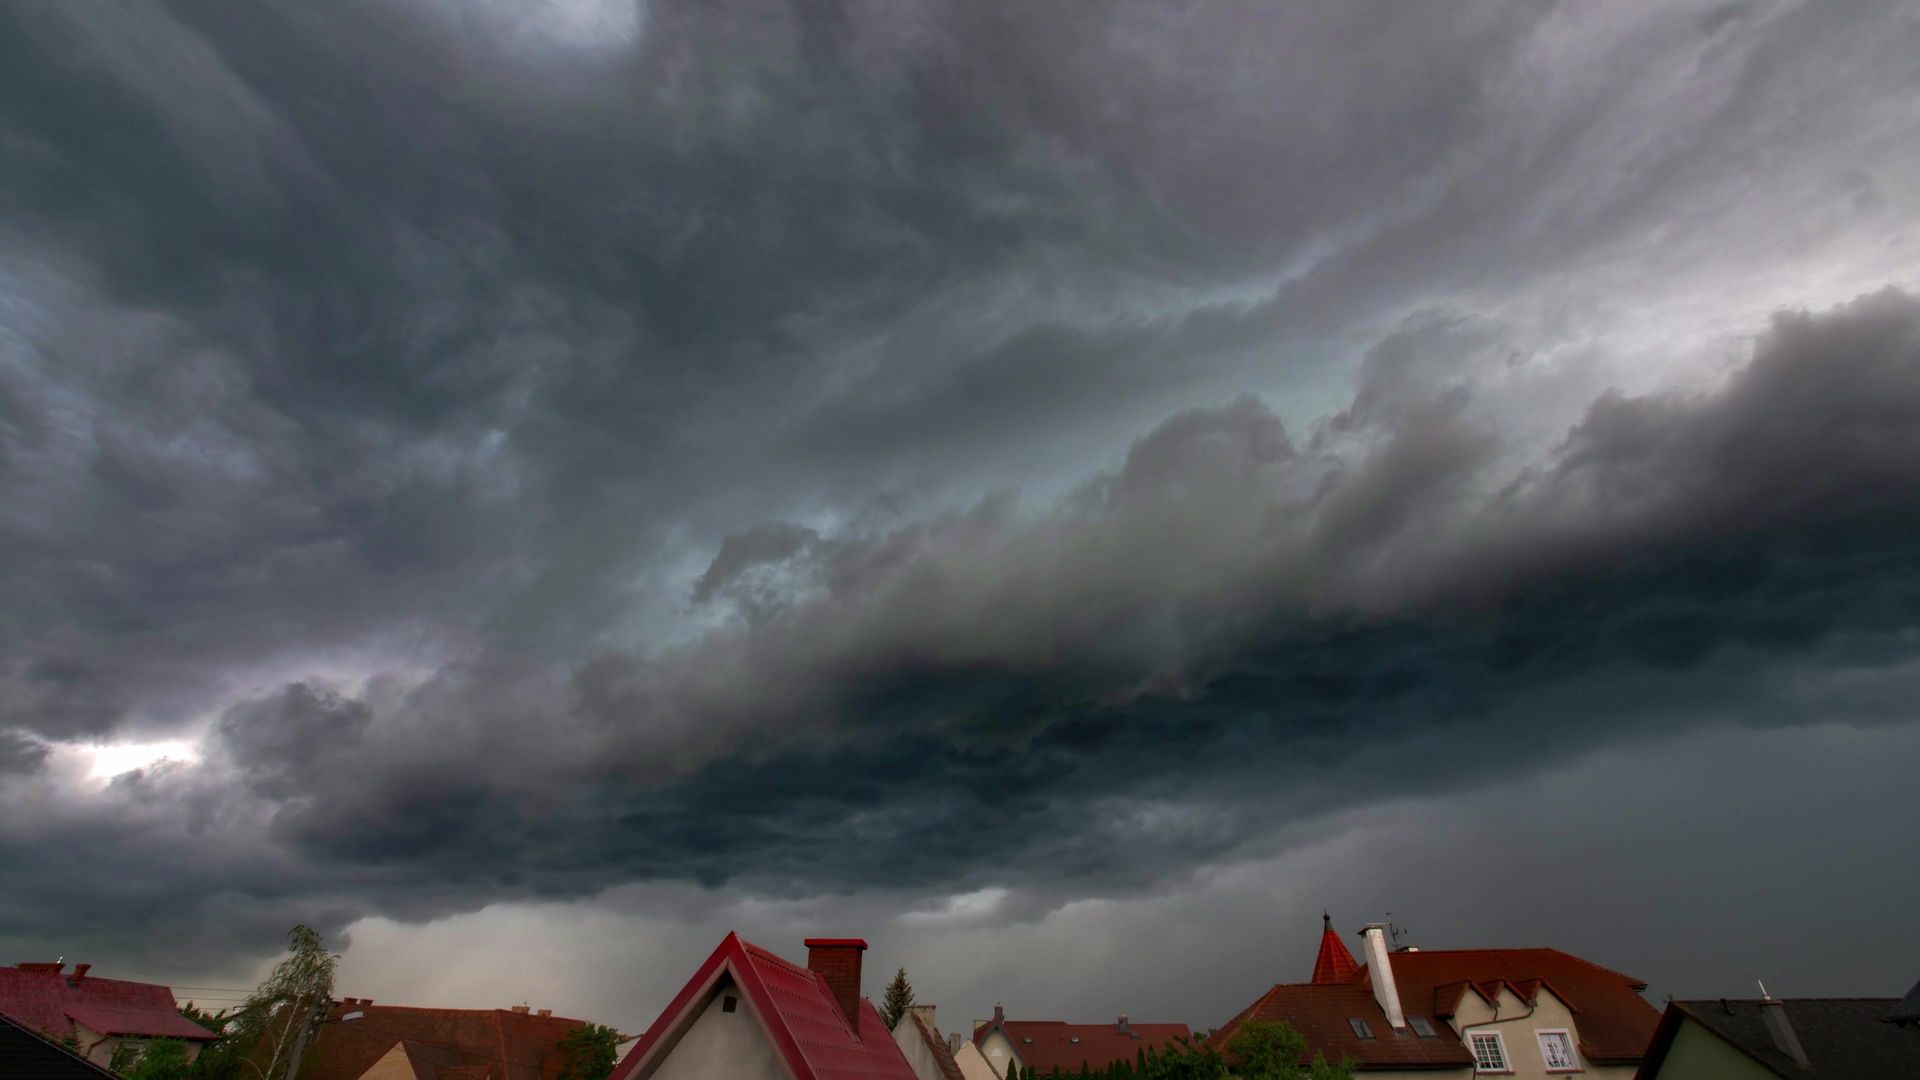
column 269, row 1031
column 590, row 1052
column 1269, row 1050
column 899, row 998
column 163, row 1059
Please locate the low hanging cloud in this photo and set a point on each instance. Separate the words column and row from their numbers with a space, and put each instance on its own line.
column 1144, row 675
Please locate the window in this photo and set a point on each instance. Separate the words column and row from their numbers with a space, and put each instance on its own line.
column 729, row 1003
column 1556, row 1049
column 1489, row 1053
column 1359, row 1027
column 1422, row 1027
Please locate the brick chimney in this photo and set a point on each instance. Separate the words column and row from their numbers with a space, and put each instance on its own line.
column 837, row 960
column 79, row 974
column 1123, row 1027
column 522, row 1009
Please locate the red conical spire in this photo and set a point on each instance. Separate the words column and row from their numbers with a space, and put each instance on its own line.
column 1334, row 964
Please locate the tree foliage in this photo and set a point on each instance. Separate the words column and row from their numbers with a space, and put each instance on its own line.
column 898, row 1000
column 161, row 1059
column 262, row 1034
column 590, row 1052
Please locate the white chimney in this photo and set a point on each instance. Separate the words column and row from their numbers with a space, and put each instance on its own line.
column 1380, row 972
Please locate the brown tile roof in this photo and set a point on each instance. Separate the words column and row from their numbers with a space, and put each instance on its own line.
column 1045, row 1045
column 507, row 1045
column 1321, row 1013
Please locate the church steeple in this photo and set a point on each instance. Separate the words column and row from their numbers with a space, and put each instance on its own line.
column 1334, row 964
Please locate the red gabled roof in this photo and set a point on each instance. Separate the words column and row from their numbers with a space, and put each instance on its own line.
column 1334, row 964
column 43, row 997
column 1045, row 1045
column 444, row 1043
column 796, row 1010
column 1615, row 1023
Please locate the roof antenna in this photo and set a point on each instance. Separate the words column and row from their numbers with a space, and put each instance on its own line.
column 1763, row 991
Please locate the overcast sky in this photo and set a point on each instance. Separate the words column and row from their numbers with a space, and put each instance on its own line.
column 1066, row 492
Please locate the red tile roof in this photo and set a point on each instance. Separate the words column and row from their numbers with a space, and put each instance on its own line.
column 1045, row 1045
column 43, row 997
column 1320, row 1013
column 441, row 1044
column 1334, row 964
column 1615, row 1023
column 796, row 1010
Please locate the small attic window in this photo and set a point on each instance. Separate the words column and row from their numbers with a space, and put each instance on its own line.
column 1027, row 1039
column 1074, row 1039
column 1359, row 1027
column 729, row 1003
column 1422, row 1027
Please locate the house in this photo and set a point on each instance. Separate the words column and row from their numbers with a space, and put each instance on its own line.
column 929, row 1053
column 1811, row 1038
column 26, row 1054
column 1046, row 1046
column 747, row 1014
column 359, row 1040
column 1463, row 1012
column 98, row 1017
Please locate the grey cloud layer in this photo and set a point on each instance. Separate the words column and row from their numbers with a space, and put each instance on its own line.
column 536, row 468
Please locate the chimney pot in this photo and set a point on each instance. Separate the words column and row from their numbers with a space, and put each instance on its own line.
column 1380, row 973
column 837, row 960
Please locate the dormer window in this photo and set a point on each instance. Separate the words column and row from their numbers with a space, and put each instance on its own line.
column 1360, row 1028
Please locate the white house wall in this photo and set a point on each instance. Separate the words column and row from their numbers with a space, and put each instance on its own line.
column 723, row 1044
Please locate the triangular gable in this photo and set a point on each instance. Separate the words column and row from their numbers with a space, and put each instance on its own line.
column 794, row 1009
column 730, row 962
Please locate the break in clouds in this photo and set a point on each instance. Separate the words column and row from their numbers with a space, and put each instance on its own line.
column 916, row 452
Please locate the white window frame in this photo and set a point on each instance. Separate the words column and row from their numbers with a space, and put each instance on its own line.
column 1541, row 1034
column 1505, row 1058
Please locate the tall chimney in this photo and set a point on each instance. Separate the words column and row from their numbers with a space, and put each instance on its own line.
column 837, row 960
column 1785, row 1039
column 1122, row 1027
column 999, row 1014
column 1380, row 973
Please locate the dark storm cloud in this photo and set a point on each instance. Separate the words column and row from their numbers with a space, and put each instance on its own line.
column 541, row 467
column 998, row 698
